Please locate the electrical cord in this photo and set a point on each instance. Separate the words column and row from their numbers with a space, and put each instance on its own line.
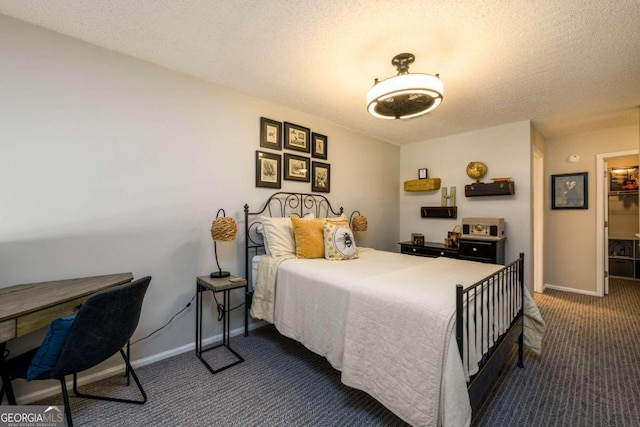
column 166, row 324
column 220, row 307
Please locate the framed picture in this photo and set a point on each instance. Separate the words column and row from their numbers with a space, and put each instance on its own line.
column 296, row 137
column 270, row 134
column 320, row 177
column 422, row 173
column 267, row 169
column 296, row 168
column 319, row 146
column 569, row 191
column 623, row 179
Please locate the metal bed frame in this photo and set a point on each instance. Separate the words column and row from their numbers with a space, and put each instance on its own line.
column 500, row 294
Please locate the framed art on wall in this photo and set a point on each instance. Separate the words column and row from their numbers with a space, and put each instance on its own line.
column 296, row 168
column 569, row 191
column 319, row 146
column 297, row 137
column 270, row 134
column 267, row 169
column 320, row 177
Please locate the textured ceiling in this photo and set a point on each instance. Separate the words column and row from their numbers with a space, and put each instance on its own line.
column 567, row 65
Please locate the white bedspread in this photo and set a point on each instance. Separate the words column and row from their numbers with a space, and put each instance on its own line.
column 386, row 321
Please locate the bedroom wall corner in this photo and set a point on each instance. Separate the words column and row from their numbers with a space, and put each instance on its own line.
column 113, row 164
column 506, row 150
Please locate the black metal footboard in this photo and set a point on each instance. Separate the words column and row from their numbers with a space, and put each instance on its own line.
column 489, row 320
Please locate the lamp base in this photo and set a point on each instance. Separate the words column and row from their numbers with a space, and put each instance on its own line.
column 219, row 274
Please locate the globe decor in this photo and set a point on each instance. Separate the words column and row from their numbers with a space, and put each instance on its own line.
column 476, row 170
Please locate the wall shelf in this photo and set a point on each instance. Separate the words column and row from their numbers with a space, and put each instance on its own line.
column 439, row 212
column 506, row 188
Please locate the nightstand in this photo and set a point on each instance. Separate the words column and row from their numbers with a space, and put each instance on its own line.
column 224, row 285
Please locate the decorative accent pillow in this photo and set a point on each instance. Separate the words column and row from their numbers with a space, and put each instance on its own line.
column 47, row 355
column 278, row 235
column 339, row 243
column 308, row 237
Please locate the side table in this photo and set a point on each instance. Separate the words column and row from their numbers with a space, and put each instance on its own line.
column 224, row 285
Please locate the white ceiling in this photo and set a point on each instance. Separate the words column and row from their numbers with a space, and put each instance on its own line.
column 567, row 65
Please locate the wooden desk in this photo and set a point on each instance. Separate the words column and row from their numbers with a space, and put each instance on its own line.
column 27, row 308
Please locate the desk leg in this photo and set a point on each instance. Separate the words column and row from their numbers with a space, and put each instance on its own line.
column 6, row 381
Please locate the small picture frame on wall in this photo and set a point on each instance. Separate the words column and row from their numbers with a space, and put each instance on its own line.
column 569, row 191
column 297, row 137
column 319, row 146
column 270, row 134
column 267, row 169
column 320, row 177
column 422, row 173
column 296, row 168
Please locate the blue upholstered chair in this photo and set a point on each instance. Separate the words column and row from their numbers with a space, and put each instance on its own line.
column 102, row 327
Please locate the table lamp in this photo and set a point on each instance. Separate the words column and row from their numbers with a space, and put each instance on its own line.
column 223, row 229
column 358, row 222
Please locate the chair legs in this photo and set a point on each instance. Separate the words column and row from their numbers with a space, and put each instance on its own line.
column 67, row 406
column 130, row 370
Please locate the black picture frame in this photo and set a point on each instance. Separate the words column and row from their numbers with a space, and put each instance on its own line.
column 570, row 191
column 297, row 137
column 319, row 146
column 268, row 167
column 296, row 168
column 270, row 134
column 320, row 177
column 422, row 173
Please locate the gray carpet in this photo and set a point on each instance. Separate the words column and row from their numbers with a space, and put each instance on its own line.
column 589, row 375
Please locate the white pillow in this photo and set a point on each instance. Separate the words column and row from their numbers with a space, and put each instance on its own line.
column 278, row 235
column 339, row 243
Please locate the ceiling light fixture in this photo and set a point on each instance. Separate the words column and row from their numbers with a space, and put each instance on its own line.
column 405, row 95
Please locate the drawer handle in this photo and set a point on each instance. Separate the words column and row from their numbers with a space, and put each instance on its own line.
column 475, row 249
column 442, row 253
column 413, row 249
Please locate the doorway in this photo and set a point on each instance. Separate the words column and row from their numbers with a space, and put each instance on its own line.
column 602, row 215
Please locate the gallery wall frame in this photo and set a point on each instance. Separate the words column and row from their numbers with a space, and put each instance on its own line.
column 320, row 177
column 296, row 168
column 319, row 146
column 270, row 134
column 297, row 137
column 268, row 169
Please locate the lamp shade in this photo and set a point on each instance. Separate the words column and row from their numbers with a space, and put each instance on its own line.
column 359, row 223
column 405, row 95
column 224, row 229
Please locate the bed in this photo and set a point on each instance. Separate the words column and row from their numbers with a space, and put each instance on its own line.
column 424, row 336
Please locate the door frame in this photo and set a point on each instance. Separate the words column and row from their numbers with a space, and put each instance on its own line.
column 602, row 205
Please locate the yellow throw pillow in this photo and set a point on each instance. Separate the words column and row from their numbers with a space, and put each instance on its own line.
column 309, row 237
column 339, row 243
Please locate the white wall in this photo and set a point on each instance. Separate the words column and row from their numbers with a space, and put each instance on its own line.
column 111, row 164
column 570, row 235
column 506, row 150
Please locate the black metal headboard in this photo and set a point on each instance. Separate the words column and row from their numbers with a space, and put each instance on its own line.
column 280, row 204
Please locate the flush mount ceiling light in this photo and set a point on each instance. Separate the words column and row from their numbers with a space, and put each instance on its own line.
column 405, row 95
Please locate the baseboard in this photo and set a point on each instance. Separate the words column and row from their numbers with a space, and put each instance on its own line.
column 565, row 289
column 109, row 372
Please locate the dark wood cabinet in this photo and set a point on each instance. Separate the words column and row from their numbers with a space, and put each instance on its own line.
column 485, row 250
column 429, row 249
column 482, row 250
